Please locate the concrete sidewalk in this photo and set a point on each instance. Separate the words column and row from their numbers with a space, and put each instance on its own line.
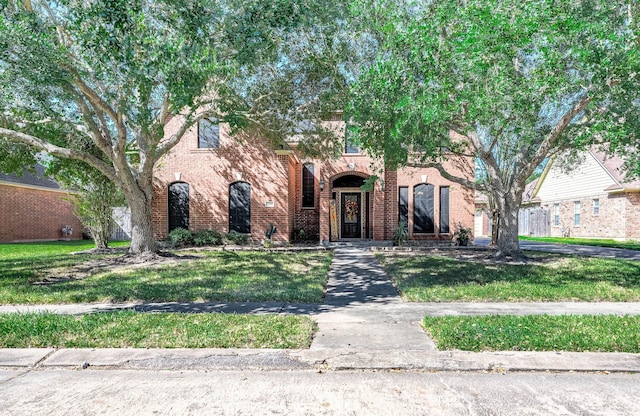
column 363, row 324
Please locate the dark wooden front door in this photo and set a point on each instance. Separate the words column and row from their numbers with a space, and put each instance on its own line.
column 351, row 217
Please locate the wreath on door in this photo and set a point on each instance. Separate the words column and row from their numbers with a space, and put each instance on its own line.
column 351, row 210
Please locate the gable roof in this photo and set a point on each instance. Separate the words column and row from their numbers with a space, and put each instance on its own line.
column 612, row 165
column 30, row 179
column 615, row 167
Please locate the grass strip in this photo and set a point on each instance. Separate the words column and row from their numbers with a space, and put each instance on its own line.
column 154, row 330
column 597, row 242
column 551, row 278
column 576, row 333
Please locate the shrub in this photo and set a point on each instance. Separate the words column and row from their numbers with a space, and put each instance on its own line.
column 180, row 237
column 207, row 238
column 235, row 237
column 462, row 235
column 401, row 234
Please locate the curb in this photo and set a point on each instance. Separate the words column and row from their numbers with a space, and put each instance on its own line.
column 329, row 360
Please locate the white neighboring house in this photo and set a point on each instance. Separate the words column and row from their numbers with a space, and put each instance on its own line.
column 591, row 200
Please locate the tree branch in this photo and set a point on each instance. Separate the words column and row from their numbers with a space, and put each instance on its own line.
column 103, row 142
column 62, row 152
column 457, row 179
column 177, row 136
column 91, row 95
column 550, row 141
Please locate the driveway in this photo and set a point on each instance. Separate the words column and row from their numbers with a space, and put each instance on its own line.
column 615, row 253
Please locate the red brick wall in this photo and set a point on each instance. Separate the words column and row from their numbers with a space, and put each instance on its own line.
column 307, row 219
column 276, row 177
column 391, row 203
column 461, row 200
column 384, row 204
column 291, row 178
column 209, row 172
column 29, row 214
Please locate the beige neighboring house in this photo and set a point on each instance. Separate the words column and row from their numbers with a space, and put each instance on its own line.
column 592, row 200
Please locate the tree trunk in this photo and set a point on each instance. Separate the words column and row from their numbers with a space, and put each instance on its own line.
column 142, row 236
column 139, row 199
column 100, row 237
column 103, row 212
column 508, row 207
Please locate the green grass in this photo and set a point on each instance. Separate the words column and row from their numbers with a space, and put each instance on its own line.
column 536, row 333
column 219, row 276
column 629, row 245
column 430, row 278
column 154, row 330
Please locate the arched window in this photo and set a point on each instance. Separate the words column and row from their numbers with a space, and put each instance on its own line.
column 240, row 207
column 348, row 181
column 423, row 209
column 178, row 206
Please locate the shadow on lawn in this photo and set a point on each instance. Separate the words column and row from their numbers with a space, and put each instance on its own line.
column 552, row 272
column 224, row 276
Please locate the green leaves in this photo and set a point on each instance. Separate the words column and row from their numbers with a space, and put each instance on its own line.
column 496, row 64
column 520, row 80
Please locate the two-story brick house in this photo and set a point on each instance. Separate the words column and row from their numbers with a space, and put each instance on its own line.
column 211, row 180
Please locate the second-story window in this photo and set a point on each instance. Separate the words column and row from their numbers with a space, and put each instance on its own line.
column 308, row 186
column 208, row 134
column 350, row 143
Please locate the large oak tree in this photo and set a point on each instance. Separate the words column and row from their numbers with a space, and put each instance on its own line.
column 79, row 76
column 507, row 82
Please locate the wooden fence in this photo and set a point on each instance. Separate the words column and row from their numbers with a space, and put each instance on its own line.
column 534, row 222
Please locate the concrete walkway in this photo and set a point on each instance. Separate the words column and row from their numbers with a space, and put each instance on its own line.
column 353, row 315
column 362, row 324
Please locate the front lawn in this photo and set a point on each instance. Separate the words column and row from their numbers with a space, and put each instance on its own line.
column 213, row 276
column 429, row 277
column 604, row 333
column 154, row 330
column 597, row 242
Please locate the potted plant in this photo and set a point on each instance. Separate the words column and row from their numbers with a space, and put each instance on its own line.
column 462, row 235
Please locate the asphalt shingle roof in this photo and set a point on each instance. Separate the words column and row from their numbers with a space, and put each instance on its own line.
column 28, row 178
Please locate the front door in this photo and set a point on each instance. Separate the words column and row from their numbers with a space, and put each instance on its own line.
column 351, row 216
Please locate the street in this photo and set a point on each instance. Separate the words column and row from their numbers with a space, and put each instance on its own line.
column 57, row 391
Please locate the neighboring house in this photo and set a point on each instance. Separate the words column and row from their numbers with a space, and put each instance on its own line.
column 591, row 200
column 33, row 208
column 213, row 181
column 482, row 217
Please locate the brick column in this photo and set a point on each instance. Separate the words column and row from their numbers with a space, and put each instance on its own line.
column 378, row 214
column 325, row 197
column 390, row 203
